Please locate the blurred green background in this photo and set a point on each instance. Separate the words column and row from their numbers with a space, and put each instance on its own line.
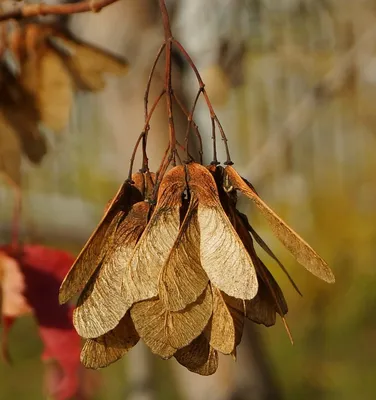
column 294, row 84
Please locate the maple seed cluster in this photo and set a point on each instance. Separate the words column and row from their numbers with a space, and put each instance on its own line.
column 182, row 274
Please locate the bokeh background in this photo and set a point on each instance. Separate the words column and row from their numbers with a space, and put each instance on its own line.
column 294, row 84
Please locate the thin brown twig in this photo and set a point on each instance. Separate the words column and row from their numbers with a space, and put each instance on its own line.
column 168, row 76
column 166, row 161
column 143, row 133
column 214, row 141
column 145, row 160
column 207, row 100
column 162, row 163
column 147, row 91
column 33, row 10
column 190, row 117
column 193, row 123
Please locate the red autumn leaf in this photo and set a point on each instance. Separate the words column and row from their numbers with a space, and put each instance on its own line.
column 43, row 270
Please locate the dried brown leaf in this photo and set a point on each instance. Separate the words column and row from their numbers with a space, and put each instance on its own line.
column 153, row 249
column 223, row 255
column 105, row 350
column 198, row 357
column 98, row 244
column 166, row 331
column 301, row 250
column 102, row 304
column 226, row 326
column 182, row 279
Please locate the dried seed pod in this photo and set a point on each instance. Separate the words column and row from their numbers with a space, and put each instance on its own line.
column 223, row 255
column 269, row 299
column 226, row 326
column 300, row 249
column 102, row 304
column 198, row 357
column 105, row 350
column 153, row 249
column 267, row 249
column 182, row 279
column 98, row 244
column 166, row 331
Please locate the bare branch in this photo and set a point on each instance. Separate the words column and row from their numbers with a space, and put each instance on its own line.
column 33, row 10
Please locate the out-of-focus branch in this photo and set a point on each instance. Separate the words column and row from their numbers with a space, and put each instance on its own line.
column 33, row 10
column 304, row 111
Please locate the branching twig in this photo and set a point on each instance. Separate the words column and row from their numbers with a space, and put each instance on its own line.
column 143, row 133
column 193, row 123
column 168, row 77
column 190, row 117
column 213, row 115
column 33, row 10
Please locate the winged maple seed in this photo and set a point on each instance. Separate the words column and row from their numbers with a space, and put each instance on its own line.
column 181, row 274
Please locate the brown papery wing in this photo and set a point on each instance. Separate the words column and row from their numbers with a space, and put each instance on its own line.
column 166, row 331
column 226, row 326
column 105, row 350
column 198, row 357
column 223, row 255
column 267, row 250
column 182, row 279
column 269, row 299
column 152, row 251
column 102, row 303
column 98, row 244
column 300, row 249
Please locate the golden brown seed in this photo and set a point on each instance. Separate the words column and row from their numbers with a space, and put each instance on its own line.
column 223, row 255
column 106, row 349
column 226, row 326
column 182, row 279
column 166, row 331
column 152, row 251
column 102, row 303
column 98, row 244
column 301, row 250
column 198, row 357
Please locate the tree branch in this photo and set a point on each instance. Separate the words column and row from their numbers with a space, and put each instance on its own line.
column 33, row 10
